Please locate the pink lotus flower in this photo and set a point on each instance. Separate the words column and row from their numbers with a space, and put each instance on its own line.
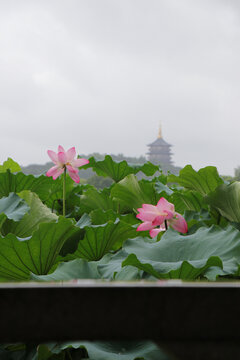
column 65, row 160
column 154, row 218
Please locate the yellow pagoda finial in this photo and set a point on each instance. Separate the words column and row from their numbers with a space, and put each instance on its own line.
column 160, row 131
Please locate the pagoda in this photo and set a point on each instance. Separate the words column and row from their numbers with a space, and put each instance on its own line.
column 160, row 151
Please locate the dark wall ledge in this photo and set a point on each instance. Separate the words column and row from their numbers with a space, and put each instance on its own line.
column 171, row 313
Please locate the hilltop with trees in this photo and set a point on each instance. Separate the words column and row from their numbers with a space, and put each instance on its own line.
column 88, row 176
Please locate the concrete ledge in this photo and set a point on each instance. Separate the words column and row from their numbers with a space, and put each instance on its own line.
column 163, row 311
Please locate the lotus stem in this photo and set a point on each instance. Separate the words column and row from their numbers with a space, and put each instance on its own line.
column 166, row 225
column 64, row 192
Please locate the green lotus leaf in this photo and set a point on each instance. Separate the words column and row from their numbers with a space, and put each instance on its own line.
column 3, row 218
column 185, row 271
column 38, row 214
column 119, row 170
column 13, row 206
column 111, row 264
column 71, row 244
column 59, row 352
column 109, row 168
column 160, row 187
column 146, row 350
column 187, row 200
column 197, row 219
column 115, row 350
column 99, row 217
column 44, row 353
column 187, row 257
column 93, row 199
column 128, row 273
column 11, row 165
column 75, row 269
column 226, row 199
column 46, row 188
column 110, row 267
column 133, row 193
column 98, row 240
column 49, row 190
column 84, row 221
column 37, row 254
column 147, row 168
column 203, row 181
column 17, row 351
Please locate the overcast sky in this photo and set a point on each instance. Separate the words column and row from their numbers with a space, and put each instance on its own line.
column 101, row 74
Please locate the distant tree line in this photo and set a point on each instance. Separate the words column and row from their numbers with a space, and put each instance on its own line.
column 37, row 169
column 236, row 176
column 90, row 177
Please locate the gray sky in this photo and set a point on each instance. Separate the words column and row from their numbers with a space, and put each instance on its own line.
column 101, row 74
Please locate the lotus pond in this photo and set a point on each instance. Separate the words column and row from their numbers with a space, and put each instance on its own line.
column 99, row 234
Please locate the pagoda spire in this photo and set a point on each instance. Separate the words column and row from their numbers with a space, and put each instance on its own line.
column 160, row 131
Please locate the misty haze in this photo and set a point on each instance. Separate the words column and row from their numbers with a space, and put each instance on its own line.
column 102, row 75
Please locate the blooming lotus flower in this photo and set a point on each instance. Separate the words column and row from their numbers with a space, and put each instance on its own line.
column 154, row 218
column 65, row 160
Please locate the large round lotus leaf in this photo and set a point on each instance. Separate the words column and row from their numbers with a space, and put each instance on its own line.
column 75, row 269
column 203, row 181
column 46, row 188
column 97, row 199
column 133, row 193
column 99, row 217
column 226, row 199
column 187, row 200
column 107, row 167
column 39, row 213
column 115, row 350
column 118, row 170
column 11, row 165
column 186, row 257
column 13, row 206
column 36, row 254
column 110, row 267
column 98, row 240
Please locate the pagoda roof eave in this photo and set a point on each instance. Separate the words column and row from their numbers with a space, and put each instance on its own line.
column 159, row 142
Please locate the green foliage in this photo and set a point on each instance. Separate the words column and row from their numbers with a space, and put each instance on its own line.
column 36, row 254
column 133, row 193
column 84, row 221
column 98, row 239
column 119, row 170
column 187, row 200
column 13, row 206
column 148, row 168
column 75, row 269
column 187, row 257
column 46, row 188
column 105, row 222
column 204, row 181
column 110, row 168
column 110, row 267
column 160, row 188
column 226, row 199
column 39, row 213
column 102, row 351
column 99, row 217
column 11, row 165
column 97, row 199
